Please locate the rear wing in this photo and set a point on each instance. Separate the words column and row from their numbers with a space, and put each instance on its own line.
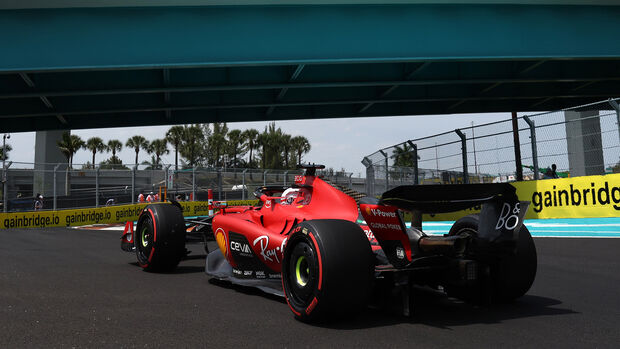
column 501, row 216
column 500, row 220
column 446, row 198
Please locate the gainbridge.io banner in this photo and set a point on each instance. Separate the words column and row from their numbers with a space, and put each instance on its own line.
column 78, row 217
column 578, row 197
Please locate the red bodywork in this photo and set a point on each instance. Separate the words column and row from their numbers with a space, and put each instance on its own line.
column 265, row 229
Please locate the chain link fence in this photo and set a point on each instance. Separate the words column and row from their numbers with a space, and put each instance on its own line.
column 583, row 140
column 83, row 187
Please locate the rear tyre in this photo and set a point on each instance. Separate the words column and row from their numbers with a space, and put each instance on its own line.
column 160, row 238
column 327, row 270
column 509, row 276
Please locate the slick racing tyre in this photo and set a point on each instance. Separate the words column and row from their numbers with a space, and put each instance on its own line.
column 160, row 237
column 510, row 276
column 327, row 270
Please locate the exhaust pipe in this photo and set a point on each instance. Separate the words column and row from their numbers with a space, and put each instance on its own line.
column 448, row 245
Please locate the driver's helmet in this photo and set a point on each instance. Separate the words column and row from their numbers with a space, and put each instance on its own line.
column 299, row 196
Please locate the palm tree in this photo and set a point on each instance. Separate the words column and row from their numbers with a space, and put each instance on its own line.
column 403, row 156
column 286, row 147
column 69, row 145
column 263, row 140
column 175, row 136
column 272, row 146
column 95, row 145
column 235, row 145
column 153, row 164
column 158, row 147
column 251, row 138
column 191, row 146
column 137, row 142
column 217, row 141
column 114, row 145
column 301, row 146
column 8, row 149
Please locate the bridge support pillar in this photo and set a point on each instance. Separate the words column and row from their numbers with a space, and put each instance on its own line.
column 46, row 157
column 584, row 143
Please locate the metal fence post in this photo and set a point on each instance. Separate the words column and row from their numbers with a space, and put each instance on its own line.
column 415, row 161
column 615, row 105
column 370, row 177
column 532, row 126
column 166, row 169
column 285, row 174
column 55, row 196
column 5, row 179
column 265, row 177
column 219, row 183
column 193, row 183
column 133, row 184
column 243, row 184
column 464, row 153
column 97, row 187
column 350, row 181
column 387, row 173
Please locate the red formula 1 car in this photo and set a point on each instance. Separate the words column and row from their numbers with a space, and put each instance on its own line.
column 328, row 250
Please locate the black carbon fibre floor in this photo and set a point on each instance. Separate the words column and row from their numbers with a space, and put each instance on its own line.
column 76, row 288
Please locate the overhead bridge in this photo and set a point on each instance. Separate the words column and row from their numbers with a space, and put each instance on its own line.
column 69, row 67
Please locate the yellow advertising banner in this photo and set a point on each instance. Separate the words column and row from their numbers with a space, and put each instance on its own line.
column 87, row 216
column 577, row 197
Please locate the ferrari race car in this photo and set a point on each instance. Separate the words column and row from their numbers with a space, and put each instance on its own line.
column 329, row 250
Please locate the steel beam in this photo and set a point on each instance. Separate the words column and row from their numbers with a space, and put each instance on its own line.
column 184, row 36
column 291, row 104
column 296, row 85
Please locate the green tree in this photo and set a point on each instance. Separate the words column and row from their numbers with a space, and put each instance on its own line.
column 158, row 147
column 403, row 156
column 153, row 164
column 285, row 141
column 192, row 144
column 113, row 163
column 114, row 145
column 8, row 149
column 217, row 142
column 95, row 145
column 175, row 136
column 236, row 146
column 300, row 145
column 251, row 140
column 69, row 145
column 137, row 142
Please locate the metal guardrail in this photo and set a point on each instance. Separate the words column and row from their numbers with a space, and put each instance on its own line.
column 62, row 187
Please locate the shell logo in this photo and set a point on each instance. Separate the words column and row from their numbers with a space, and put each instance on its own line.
column 368, row 210
column 220, row 237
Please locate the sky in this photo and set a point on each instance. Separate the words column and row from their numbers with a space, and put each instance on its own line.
column 336, row 143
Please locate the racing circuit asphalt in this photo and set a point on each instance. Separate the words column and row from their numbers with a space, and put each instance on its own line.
column 75, row 288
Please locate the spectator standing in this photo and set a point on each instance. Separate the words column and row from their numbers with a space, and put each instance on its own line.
column 150, row 197
column 551, row 172
column 38, row 204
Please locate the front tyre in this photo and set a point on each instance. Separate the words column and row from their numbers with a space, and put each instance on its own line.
column 160, row 238
column 328, row 269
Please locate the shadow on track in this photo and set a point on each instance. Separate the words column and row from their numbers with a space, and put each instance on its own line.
column 435, row 309
column 251, row 291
